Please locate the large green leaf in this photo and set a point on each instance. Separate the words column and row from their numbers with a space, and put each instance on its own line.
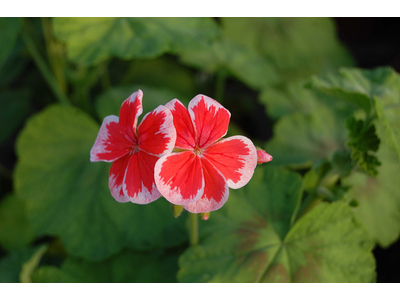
column 91, row 40
column 11, row 265
column 14, row 106
column 252, row 239
column 379, row 198
column 9, row 29
column 295, row 47
column 359, row 86
column 15, row 231
column 109, row 103
column 161, row 72
column 263, row 52
column 244, row 63
column 294, row 98
column 14, row 66
column 125, row 267
column 387, row 106
column 68, row 196
column 300, row 139
column 379, row 87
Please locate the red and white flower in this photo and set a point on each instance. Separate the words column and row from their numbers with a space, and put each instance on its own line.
column 133, row 150
column 198, row 176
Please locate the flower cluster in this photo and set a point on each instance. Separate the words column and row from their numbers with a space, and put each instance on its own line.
column 200, row 170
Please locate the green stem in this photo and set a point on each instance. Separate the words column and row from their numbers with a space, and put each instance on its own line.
column 220, row 85
column 194, row 229
column 43, row 68
column 55, row 52
column 105, row 77
column 326, row 182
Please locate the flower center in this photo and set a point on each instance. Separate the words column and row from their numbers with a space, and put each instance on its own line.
column 197, row 150
column 134, row 149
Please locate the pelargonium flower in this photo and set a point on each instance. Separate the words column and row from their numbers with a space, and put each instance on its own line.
column 134, row 151
column 198, row 176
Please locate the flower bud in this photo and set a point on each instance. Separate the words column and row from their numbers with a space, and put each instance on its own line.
column 176, row 210
column 262, row 156
column 205, row 216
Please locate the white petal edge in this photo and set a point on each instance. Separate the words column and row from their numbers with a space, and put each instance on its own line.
column 168, row 125
column 204, row 205
column 145, row 196
column 209, row 102
column 102, row 136
column 174, row 196
column 250, row 162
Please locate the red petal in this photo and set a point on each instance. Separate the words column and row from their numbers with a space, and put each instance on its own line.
column 179, row 177
column 185, row 134
column 157, row 133
column 216, row 190
column 116, row 178
column 235, row 157
column 110, row 143
column 130, row 110
column 139, row 185
column 211, row 119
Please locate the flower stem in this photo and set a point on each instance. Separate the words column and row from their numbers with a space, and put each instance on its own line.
column 326, row 182
column 220, row 85
column 105, row 76
column 55, row 53
column 43, row 68
column 194, row 229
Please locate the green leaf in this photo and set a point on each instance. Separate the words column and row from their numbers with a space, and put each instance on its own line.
column 312, row 178
column 255, row 217
column 251, row 239
column 343, row 163
column 301, row 139
column 9, row 29
column 390, row 117
column 91, row 40
column 14, row 67
column 295, row 47
column 243, row 63
column 328, row 245
column 294, row 98
column 379, row 198
column 11, row 265
column 14, row 107
column 125, row 267
column 161, row 72
column 387, row 107
column 15, row 232
column 358, row 86
column 109, row 103
column 362, row 140
column 380, row 87
column 68, row 196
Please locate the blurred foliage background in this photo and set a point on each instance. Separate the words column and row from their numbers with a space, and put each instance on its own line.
column 307, row 90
